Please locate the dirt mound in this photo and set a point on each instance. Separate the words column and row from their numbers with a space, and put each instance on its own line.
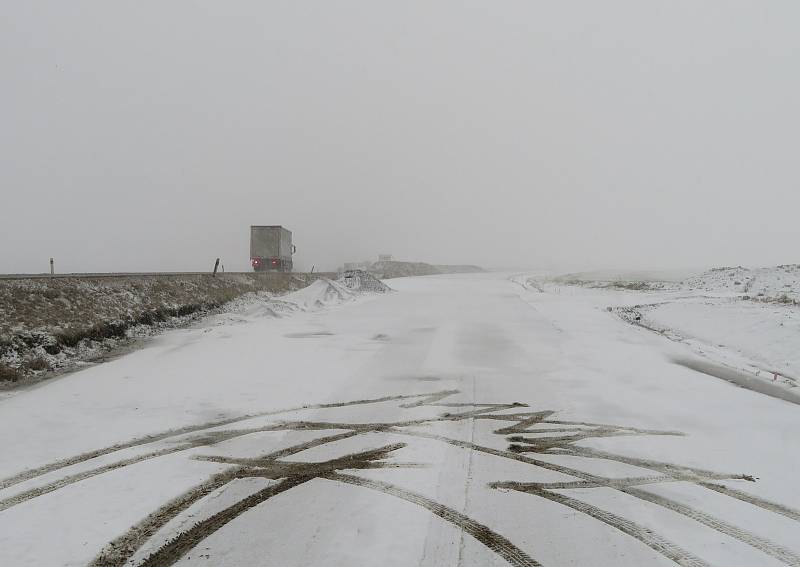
column 360, row 280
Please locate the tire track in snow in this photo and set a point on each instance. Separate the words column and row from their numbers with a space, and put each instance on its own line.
column 69, row 461
column 762, row 544
column 147, row 439
column 561, row 445
column 673, row 474
column 790, row 513
column 209, row 439
column 293, row 474
column 644, row 535
column 697, row 476
column 173, row 550
column 701, row 478
column 660, row 466
column 119, row 551
column 66, row 481
column 212, row 438
column 491, row 539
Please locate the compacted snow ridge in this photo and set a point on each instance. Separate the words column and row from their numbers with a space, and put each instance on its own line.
column 464, row 420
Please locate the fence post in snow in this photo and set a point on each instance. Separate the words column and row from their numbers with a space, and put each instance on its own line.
column 216, row 265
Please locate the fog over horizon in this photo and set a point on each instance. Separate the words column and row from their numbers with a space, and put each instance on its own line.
column 149, row 136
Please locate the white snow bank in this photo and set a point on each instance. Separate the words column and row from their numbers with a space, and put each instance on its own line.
column 765, row 335
column 745, row 319
column 321, row 294
column 780, row 283
column 774, row 284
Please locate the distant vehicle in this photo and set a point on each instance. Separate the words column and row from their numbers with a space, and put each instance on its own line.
column 271, row 249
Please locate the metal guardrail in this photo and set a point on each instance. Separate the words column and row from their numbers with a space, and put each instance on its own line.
column 144, row 274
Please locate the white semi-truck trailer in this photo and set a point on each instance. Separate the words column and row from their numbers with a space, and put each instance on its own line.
column 271, row 249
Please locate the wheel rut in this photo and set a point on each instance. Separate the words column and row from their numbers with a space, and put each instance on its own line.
column 529, row 434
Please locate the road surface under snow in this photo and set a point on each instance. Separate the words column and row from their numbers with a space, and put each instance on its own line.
column 463, row 420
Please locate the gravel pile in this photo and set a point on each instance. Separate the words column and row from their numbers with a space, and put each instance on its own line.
column 359, row 280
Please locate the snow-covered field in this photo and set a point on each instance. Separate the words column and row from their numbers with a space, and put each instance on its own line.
column 743, row 321
column 463, row 420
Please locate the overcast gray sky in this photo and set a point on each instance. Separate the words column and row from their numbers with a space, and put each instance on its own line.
column 150, row 135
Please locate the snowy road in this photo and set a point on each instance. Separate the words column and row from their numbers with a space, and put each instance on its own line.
column 463, row 420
